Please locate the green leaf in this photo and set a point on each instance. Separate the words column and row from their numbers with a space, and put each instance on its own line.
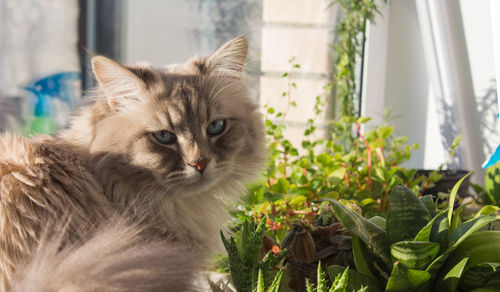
column 487, row 210
column 340, row 283
column 321, row 280
column 338, row 173
column 449, row 282
column 482, row 276
column 270, row 261
column 414, row 254
column 260, row 283
column 386, row 131
column 406, row 216
column 298, row 200
column 403, row 279
column 456, row 217
column 281, row 186
column 469, row 227
column 362, row 258
column 479, row 247
column 379, row 221
column 355, row 280
column 241, row 274
column 324, row 159
column 492, row 182
column 251, row 252
column 309, row 286
column 439, row 232
column 362, row 120
column 453, row 196
column 247, row 229
column 456, row 239
column 429, row 203
column 275, row 285
column 424, row 233
column 373, row 236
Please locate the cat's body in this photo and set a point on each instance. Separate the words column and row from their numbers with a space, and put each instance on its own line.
column 162, row 148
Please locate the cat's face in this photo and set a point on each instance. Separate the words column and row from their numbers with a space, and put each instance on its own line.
column 192, row 126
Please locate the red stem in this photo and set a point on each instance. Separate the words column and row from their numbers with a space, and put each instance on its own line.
column 346, row 178
column 368, row 149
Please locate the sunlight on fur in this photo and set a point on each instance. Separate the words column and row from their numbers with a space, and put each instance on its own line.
column 163, row 149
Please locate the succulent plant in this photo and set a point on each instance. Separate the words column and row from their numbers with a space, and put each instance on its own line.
column 414, row 252
column 326, row 243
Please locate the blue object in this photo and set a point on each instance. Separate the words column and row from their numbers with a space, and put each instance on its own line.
column 46, row 89
column 494, row 158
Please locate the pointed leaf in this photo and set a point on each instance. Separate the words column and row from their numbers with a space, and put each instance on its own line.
column 469, row 227
column 373, row 236
column 241, row 274
column 487, row 210
column 340, row 283
column 260, row 283
column 362, row 258
column 321, row 281
column 449, row 282
column 479, row 247
column 414, row 254
column 482, row 276
column 424, row 233
column 251, row 252
column 453, row 196
column 439, row 232
column 379, row 221
column 456, row 217
column 268, row 263
column 355, row 280
column 275, row 285
column 459, row 235
column 428, row 201
column 246, row 232
column 406, row 216
column 309, row 286
column 403, row 279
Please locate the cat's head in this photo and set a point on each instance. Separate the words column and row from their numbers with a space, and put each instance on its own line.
column 192, row 126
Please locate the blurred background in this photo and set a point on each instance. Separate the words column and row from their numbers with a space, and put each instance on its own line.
column 432, row 62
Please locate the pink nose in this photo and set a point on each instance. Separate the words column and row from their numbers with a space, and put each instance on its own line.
column 200, row 165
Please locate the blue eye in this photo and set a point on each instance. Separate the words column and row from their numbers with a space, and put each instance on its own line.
column 216, row 127
column 164, row 137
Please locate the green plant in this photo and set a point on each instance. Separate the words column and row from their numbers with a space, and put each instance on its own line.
column 296, row 177
column 299, row 175
column 248, row 271
column 414, row 250
column 490, row 194
column 350, row 32
column 339, row 282
column 325, row 243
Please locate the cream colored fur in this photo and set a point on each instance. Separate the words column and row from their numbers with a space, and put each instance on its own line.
column 108, row 164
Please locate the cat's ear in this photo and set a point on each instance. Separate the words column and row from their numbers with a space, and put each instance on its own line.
column 230, row 58
column 120, row 85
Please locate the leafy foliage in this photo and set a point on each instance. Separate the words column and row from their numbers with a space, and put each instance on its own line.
column 248, row 271
column 297, row 177
column 350, row 32
column 439, row 255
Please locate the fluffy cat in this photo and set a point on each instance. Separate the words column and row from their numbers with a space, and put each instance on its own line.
column 163, row 147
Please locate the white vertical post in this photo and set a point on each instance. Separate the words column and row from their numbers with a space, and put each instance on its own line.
column 449, row 72
column 373, row 91
column 495, row 26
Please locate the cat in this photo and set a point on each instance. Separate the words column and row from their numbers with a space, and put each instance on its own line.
column 165, row 148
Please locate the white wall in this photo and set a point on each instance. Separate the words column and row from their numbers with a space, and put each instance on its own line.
column 478, row 33
column 396, row 77
column 407, row 86
column 160, row 32
column 301, row 29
